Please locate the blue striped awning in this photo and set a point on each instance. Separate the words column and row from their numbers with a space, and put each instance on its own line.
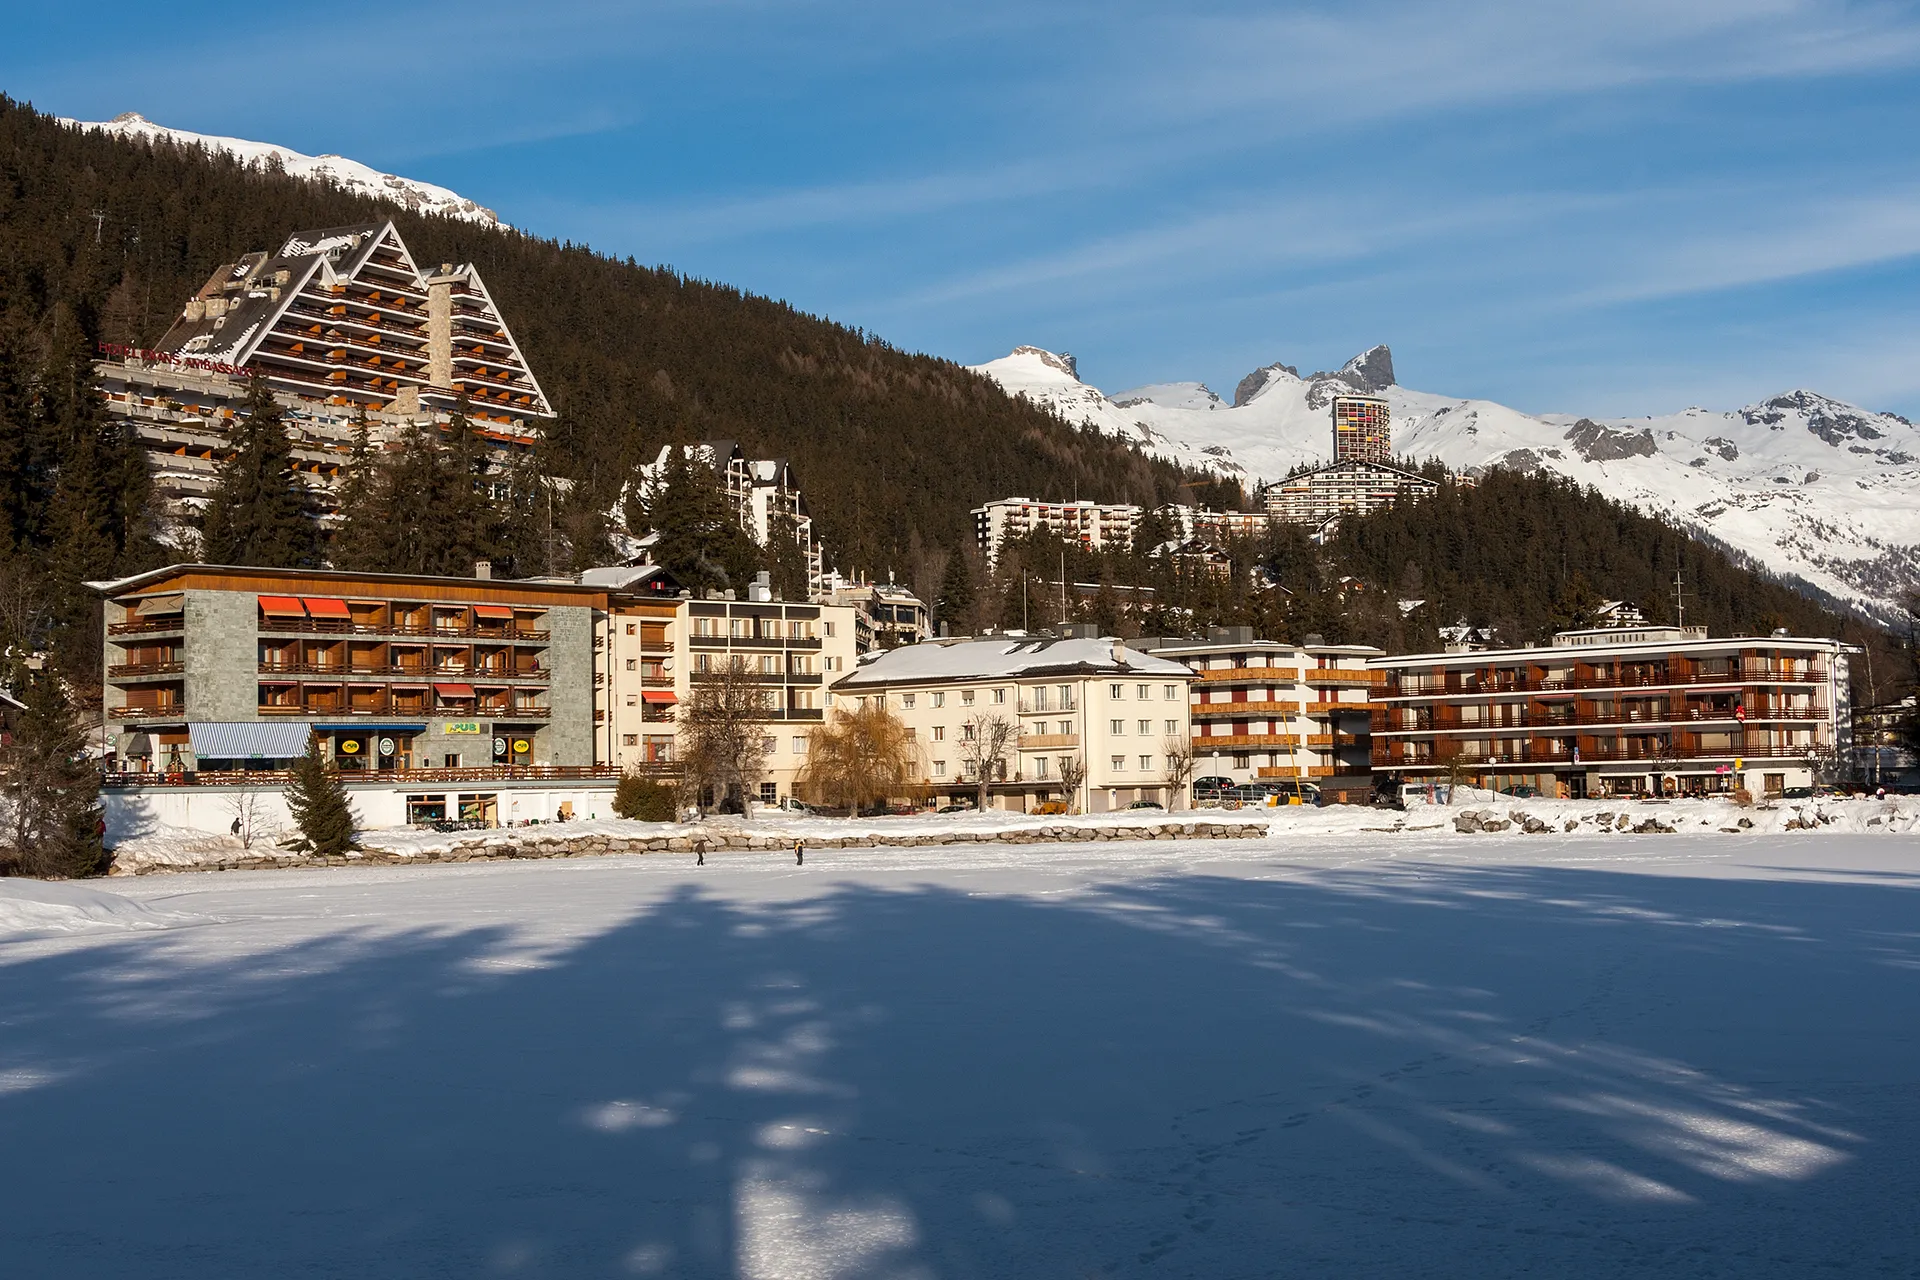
column 248, row 740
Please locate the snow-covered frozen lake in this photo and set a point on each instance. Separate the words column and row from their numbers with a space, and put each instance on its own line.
column 1310, row 1055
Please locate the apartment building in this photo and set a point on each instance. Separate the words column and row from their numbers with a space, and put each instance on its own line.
column 1268, row 709
column 1618, row 711
column 434, row 696
column 886, row 615
column 763, row 492
column 661, row 648
column 1362, row 429
column 1356, row 487
column 342, row 324
column 1094, row 525
column 1096, row 703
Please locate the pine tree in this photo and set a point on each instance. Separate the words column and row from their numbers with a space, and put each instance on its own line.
column 364, row 541
column 19, row 509
column 700, row 543
column 460, row 506
column 257, row 512
column 52, row 789
column 786, row 560
column 317, row 799
column 953, row 607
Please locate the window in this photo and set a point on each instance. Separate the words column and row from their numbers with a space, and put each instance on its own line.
column 451, row 760
column 633, row 700
column 966, row 733
column 829, row 627
column 632, row 664
column 629, row 739
column 1142, row 692
column 1146, row 764
column 1116, row 691
column 1066, row 697
column 1170, row 691
column 740, row 628
column 769, row 664
column 999, row 695
column 939, row 768
column 1173, row 726
column 939, row 733
column 1146, row 728
column 631, row 629
column 906, row 701
column 1116, row 727
column 768, row 746
column 1120, row 764
column 769, row 793
column 703, row 662
column 1040, row 767
column 966, row 697
column 799, row 746
column 1240, row 762
column 1066, row 726
column 939, row 699
column 706, row 626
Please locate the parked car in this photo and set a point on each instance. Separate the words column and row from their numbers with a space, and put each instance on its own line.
column 1211, row 789
column 1520, row 791
column 1048, row 808
column 1797, row 793
column 790, row 805
column 1146, row 804
column 962, row 807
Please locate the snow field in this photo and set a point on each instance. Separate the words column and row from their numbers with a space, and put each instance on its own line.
column 1323, row 1053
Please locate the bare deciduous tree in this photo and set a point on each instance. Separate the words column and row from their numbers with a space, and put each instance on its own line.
column 1179, row 753
column 1073, row 776
column 983, row 748
column 250, row 821
column 860, row 758
column 722, row 730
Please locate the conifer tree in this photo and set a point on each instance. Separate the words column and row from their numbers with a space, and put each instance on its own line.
column 954, row 606
column 19, row 514
column 786, row 560
column 257, row 512
column 460, row 507
column 364, row 541
column 700, row 543
column 317, row 799
column 52, row 789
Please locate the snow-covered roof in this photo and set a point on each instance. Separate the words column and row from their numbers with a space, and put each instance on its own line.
column 1005, row 658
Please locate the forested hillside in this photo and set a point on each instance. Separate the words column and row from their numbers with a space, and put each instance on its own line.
column 892, row 448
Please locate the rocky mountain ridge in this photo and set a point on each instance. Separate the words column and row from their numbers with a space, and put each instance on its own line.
column 1811, row 489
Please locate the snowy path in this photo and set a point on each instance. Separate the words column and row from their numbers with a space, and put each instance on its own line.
column 1312, row 1055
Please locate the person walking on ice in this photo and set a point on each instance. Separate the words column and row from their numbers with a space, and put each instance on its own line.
column 799, row 854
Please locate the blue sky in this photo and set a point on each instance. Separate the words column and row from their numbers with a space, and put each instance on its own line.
column 1615, row 208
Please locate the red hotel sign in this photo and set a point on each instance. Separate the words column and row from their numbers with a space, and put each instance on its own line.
column 122, row 351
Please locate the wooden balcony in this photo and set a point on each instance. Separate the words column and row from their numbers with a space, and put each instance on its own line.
column 1256, row 675
column 127, row 669
column 1048, row 741
column 1344, row 679
column 1243, row 710
column 1242, row 741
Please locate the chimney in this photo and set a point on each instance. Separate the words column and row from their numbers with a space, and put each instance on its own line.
column 483, row 569
column 440, row 328
column 760, row 591
column 1120, row 652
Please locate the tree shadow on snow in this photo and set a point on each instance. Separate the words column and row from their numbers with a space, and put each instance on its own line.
column 1422, row 1072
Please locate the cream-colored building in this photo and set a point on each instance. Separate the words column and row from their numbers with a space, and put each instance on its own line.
column 1094, row 701
column 1267, row 709
column 657, row 649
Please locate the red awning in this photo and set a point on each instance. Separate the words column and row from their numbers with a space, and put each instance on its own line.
column 321, row 607
column 492, row 611
column 454, row 690
column 282, row 607
column 660, row 695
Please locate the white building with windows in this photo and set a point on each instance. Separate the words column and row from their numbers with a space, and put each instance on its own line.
column 1094, row 525
column 1058, row 703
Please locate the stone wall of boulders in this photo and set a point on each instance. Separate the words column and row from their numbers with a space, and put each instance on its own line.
column 714, row 839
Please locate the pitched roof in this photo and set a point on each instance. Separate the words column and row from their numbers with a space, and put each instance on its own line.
column 1004, row 657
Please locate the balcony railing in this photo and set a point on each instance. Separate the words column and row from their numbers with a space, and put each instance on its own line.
column 1385, row 721
column 170, row 712
column 1755, row 674
column 1219, row 741
column 1218, row 710
column 147, row 669
column 469, row 675
column 1262, row 675
column 1048, row 741
column 1344, row 679
column 340, row 626
column 146, row 626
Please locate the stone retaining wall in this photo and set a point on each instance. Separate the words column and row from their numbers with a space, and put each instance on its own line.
column 711, row 839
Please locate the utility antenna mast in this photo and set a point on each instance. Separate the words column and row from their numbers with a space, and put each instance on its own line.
column 1679, row 597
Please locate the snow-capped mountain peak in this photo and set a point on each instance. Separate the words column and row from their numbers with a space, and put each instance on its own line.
column 421, row 197
column 1806, row 486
